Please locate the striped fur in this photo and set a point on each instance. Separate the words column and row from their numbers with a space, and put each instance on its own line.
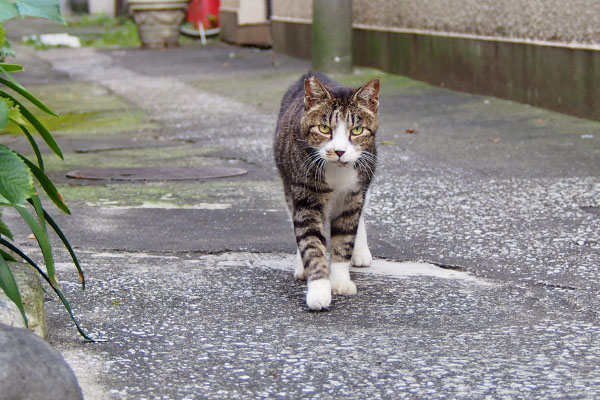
column 325, row 152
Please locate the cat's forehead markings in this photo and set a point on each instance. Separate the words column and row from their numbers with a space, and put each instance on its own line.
column 338, row 115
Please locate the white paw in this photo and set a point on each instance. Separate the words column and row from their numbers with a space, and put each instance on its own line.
column 346, row 287
column 299, row 271
column 339, row 276
column 361, row 257
column 319, row 294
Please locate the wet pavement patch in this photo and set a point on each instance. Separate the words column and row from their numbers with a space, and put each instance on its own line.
column 156, row 173
column 592, row 210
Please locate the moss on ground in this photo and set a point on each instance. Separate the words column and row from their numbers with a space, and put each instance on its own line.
column 91, row 122
column 184, row 155
column 363, row 75
column 236, row 192
column 75, row 97
column 261, row 90
column 85, row 109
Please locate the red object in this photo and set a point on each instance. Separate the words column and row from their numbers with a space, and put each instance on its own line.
column 205, row 11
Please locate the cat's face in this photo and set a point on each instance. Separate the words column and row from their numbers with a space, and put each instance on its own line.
column 340, row 125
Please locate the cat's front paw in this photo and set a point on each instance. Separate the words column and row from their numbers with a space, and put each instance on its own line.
column 361, row 257
column 318, row 296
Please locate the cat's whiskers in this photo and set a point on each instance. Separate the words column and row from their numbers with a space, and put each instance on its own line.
column 313, row 158
column 363, row 163
column 370, row 157
column 361, row 166
column 321, row 169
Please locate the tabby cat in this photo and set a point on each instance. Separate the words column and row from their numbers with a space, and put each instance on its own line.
column 325, row 152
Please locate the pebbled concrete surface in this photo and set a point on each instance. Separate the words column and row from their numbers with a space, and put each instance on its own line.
column 235, row 325
column 192, row 284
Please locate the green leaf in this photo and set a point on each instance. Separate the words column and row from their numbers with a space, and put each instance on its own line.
column 4, row 110
column 8, row 284
column 14, row 114
column 4, row 230
column 25, row 93
column 48, row 9
column 66, row 243
column 44, row 133
column 6, row 68
column 6, row 50
column 42, row 238
column 35, row 147
column 2, row 35
column 48, row 186
column 8, row 10
column 7, row 256
column 16, row 181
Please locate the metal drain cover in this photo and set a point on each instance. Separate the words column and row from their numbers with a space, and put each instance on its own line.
column 156, row 173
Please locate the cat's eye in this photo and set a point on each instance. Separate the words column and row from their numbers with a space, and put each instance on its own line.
column 324, row 128
column 357, row 130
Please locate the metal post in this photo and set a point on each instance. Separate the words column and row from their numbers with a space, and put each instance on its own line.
column 332, row 36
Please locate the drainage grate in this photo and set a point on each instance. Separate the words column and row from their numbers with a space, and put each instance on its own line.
column 156, row 173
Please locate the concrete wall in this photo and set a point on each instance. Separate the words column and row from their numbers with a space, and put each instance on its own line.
column 244, row 22
column 248, row 11
column 544, row 20
column 540, row 52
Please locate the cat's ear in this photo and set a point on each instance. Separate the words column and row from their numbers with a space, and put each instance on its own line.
column 314, row 92
column 368, row 95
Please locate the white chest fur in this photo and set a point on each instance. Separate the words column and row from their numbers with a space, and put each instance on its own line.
column 342, row 179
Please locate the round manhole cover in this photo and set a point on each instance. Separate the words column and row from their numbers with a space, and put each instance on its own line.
column 156, row 173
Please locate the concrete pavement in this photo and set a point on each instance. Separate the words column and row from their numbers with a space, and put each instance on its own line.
column 191, row 282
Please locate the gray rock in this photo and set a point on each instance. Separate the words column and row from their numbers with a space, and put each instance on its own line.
column 9, row 313
column 32, row 369
column 32, row 296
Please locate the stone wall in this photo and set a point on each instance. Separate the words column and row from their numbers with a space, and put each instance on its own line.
column 543, row 20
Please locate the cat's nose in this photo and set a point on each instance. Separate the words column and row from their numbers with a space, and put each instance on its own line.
column 340, row 153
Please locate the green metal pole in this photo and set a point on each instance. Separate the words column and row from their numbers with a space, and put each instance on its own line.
column 332, row 36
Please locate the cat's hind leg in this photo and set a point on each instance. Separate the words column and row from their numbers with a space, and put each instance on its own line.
column 299, row 270
column 361, row 255
column 339, row 276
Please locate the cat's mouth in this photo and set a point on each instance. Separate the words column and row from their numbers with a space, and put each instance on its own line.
column 341, row 163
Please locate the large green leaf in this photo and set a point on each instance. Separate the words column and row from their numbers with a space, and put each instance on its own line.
column 8, row 284
column 16, row 181
column 8, row 9
column 48, row 9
